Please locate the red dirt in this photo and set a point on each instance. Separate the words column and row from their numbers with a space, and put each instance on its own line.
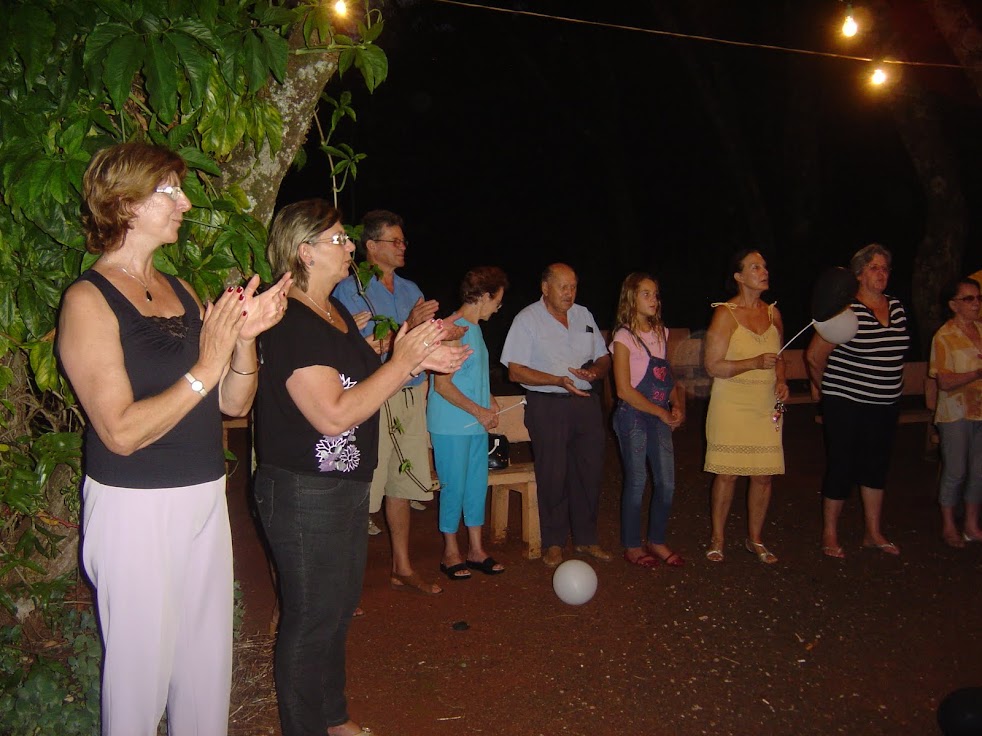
column 867, row 645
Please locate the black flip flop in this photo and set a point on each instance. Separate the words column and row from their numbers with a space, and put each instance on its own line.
column 451, row 572
column 486, row 566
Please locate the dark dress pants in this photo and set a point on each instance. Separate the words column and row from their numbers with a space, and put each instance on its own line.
column 568, row 446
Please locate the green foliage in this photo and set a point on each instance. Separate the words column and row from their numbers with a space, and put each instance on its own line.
column 76, row 76
column 51, row 687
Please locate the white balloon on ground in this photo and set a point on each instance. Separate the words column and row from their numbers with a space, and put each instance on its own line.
column 840, row 328
column 575, row 582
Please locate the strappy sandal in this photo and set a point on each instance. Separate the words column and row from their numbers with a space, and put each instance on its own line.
column 763, row 554
column 715, row 551
column 413, row 584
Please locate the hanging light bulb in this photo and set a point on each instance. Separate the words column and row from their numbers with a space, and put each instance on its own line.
column 878, row 77
column 340, row 8
column 849, row 26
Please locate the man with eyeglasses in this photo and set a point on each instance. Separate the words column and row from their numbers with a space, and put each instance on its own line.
column 404, row 415
column 555, row 350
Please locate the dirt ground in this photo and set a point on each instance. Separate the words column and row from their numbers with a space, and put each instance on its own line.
column 866, row 645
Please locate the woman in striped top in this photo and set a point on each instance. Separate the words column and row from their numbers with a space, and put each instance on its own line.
column 861, row 381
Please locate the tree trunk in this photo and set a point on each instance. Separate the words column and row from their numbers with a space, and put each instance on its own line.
column 939, row 254
column 260, row 174
column 961, row 34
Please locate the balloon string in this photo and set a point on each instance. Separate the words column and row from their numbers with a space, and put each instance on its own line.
column 523, row 402
column 796, row 336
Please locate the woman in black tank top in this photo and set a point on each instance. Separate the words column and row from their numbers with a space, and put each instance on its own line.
column 153, row 369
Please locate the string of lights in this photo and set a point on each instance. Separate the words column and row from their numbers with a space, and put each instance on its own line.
column 708, row 39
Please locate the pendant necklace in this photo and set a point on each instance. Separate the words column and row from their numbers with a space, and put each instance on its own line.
column 330, row 318
column 146, row 287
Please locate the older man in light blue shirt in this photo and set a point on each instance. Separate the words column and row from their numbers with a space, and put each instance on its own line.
column 555, row 350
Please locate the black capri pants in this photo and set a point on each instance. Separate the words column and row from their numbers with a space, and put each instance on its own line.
column 858, row 444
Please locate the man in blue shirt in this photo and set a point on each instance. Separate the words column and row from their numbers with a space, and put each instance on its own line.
column 555, row 350
column 393, row 296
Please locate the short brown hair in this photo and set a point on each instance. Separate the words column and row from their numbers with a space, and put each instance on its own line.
column 482, row 280
column 116, row 180
column 300, row 222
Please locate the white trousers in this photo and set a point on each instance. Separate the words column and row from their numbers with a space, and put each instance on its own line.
column 161, row 563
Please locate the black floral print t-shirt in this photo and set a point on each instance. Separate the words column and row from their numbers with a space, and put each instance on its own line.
column 284, row 437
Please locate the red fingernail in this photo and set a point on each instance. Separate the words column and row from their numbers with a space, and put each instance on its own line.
column 230, row 289
column 241, row 296
column 239, row 289
column 244, row 314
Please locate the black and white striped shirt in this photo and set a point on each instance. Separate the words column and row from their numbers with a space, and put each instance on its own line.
column 869, row 368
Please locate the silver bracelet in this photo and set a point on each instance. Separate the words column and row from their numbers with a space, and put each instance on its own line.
column 250, row 373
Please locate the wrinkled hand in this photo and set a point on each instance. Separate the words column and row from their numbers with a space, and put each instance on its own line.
column 361, row 319
column 454, row 332
column 415, row 344
column 567, row 383
column 446, row 359
column 585, row 374
column 265, row 310
column 422, row 312
column 766, row 360
column 781, row 391
column 221, row 327
column 488, row 418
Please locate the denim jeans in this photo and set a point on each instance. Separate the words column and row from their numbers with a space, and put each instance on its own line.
column 644, row 437
column 961, row 454
column 316, row 531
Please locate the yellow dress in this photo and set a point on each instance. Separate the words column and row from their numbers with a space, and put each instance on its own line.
column 742, row 437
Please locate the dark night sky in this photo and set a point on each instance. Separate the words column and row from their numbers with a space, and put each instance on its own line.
column 521, row 141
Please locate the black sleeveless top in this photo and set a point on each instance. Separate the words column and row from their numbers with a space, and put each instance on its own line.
column 156, row 357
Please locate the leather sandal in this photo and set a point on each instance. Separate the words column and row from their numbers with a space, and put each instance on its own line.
column 715, row 551
column 763, row 554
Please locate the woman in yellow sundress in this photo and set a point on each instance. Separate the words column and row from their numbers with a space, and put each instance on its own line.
column 743, row 427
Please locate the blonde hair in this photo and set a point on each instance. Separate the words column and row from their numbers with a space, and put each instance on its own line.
column 627, row 307
column 300, row 222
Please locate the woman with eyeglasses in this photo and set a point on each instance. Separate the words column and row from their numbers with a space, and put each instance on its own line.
column 459, row 414
column 317, row 423
column 956, row 364
column 153, row 369
column 745, row 418
column 861, row 382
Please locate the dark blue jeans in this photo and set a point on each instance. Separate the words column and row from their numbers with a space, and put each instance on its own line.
column 643, row 437
column 316, row 531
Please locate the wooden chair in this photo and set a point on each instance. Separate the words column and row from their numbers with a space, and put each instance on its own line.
column 518, row 477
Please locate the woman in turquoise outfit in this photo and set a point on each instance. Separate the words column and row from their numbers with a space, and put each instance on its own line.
column 459, row 413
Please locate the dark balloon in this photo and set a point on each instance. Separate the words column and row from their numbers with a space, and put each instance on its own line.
column 960, row 713
column 834, row 290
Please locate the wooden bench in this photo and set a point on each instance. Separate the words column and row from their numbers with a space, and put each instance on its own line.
column 518, row 477
column 916, row 383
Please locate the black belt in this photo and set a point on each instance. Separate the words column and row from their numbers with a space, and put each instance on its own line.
column 556, row 395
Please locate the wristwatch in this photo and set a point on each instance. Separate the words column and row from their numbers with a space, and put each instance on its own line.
column 196, row 385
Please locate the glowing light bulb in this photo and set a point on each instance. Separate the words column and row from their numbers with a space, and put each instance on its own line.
column 340, row 8
column 878, row 77
column 849, row 26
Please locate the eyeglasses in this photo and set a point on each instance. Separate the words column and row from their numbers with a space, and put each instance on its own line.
column 398, row 241
column 173, row 192
column 336, row 239
column 968, row 298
